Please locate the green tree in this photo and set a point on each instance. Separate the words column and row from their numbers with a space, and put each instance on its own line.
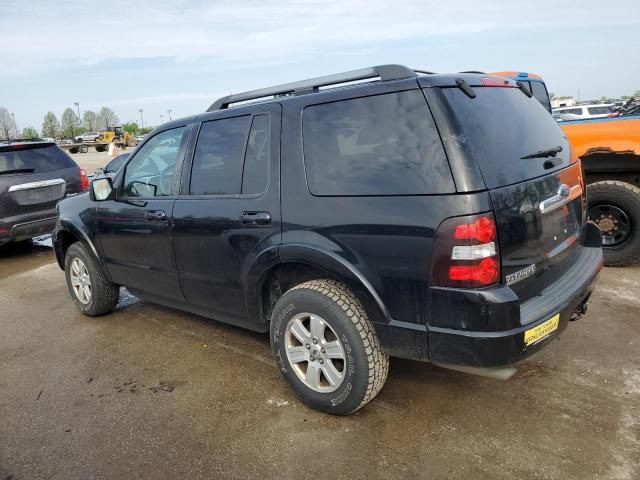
column 50, row 125
column 145, row 130
column 106, row 120
column 131, row 127
column 29, row 133
column 70, row 124
column 7, row 125
column 90, row 120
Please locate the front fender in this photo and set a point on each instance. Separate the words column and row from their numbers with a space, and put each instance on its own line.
column 67, row 226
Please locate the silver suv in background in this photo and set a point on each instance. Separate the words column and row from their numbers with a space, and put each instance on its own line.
column 584, row 112
column 34, row 176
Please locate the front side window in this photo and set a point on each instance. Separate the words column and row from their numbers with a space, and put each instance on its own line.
column 569, row 111
column 152, row 171
column 380, row 145
column 217, row 163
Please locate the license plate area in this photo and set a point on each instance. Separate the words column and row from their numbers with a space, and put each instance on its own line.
column 559, row 225
column 34, row 196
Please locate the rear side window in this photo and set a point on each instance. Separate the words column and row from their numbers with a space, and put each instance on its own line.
column 540, row 92
column 35, row 160
column 381, row 145
column 217, row 163
column 501, row 126
column 256, row 160
column 605, row 110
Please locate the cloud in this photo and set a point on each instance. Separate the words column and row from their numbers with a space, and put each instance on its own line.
column 40, row 35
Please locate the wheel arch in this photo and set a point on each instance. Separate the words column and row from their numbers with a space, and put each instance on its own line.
column 295, row 264
column 622, row 166
column 68, row 235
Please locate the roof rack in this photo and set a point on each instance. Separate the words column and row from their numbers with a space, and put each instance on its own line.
column 312, row 85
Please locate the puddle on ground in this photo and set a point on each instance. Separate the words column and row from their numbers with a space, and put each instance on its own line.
column 21, row 257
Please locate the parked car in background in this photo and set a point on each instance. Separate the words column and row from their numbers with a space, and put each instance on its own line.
column 584, row 112
column 87, row 137
column 140, row 138
column 404, row 216
column 34, row 176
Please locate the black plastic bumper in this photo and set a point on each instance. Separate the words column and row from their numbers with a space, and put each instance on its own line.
column 27, row 227
column 503, row 347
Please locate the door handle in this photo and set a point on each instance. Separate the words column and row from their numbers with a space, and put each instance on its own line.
column 255, row 218
column 155, row 215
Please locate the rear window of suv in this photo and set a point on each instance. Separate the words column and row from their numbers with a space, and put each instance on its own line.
column 502, row 125
column 38, row 159
column 380, row 145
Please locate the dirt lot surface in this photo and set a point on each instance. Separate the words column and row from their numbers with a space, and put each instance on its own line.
column 148, row 392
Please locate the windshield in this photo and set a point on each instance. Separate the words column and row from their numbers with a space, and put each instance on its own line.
column 503, row 125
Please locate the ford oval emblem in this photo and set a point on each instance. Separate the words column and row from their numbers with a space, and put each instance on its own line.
column 564, row 190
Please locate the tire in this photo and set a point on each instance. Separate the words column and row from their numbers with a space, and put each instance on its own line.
column 619, row 197
column 73, row 150
column 84, row 149
column 100, row 148
column 364, row 365
column 103, row 296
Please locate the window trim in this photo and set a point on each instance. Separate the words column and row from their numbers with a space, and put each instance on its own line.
column 120, row 190
column 185, row 185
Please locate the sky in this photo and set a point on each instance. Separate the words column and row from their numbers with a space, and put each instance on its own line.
column 181, row 55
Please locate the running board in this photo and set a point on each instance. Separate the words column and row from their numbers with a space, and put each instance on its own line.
column 497, row 373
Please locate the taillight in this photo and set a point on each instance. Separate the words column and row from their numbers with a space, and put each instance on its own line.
column 84, row 181
column 466, row 253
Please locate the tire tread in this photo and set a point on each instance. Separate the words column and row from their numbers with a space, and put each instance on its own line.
column 378, row 360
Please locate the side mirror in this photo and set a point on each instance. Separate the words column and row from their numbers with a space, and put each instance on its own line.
column 101, row 189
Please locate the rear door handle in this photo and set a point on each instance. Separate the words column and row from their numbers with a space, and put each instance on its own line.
column 255, row 218
column 155, row 215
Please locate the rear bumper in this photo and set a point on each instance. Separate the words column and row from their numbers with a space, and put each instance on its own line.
column 495, row 348
column 24, row 227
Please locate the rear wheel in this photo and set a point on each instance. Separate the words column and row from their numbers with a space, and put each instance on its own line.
column 90, row 290
column 326, row 347
column 84, row 149
column 101, row 148
column 615, row 207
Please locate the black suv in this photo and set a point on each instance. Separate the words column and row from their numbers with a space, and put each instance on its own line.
column 381, row 212
column 34, row 176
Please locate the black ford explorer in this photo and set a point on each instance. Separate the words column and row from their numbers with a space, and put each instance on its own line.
column 375, row 213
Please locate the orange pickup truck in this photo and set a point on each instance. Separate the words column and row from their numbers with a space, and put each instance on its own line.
column 610, row 152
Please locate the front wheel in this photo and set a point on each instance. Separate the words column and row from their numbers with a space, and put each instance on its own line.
column 615, row 207
column 326, row 347
column 90, row 290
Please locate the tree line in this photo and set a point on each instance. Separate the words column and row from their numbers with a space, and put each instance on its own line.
column 70, row 125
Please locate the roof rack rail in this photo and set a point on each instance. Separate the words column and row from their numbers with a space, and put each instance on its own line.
column 384, row 72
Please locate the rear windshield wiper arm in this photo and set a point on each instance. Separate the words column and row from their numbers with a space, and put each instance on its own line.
column 17, row 170
column 550, row 152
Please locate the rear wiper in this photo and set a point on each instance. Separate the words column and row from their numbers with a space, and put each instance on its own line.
column 550, row 152
column 17, row 170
